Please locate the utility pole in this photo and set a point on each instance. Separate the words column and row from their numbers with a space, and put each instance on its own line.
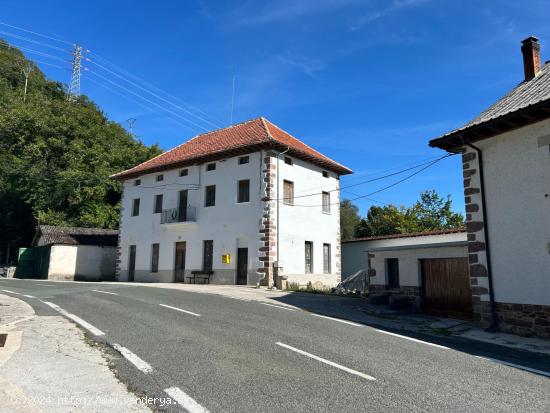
column 131, row 122
column 26, row 72
column 74, row 85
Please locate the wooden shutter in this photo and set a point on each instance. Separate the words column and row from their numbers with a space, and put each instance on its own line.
column 288, row 192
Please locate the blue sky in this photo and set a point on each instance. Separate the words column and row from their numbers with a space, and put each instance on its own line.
column 368, row 83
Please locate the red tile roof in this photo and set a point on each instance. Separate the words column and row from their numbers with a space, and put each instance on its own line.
column 244, row 137
column 410, row 234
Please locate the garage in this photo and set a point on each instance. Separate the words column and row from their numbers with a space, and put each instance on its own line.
column 446, row 287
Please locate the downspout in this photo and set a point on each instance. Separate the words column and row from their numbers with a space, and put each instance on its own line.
column 494, row 318
column 279, row 204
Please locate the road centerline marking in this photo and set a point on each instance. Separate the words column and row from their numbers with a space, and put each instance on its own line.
column 412, row 339
column 325, row 361
column 517, row 366
column 28, row 296
column 180, row 309
column 95, row 331
column 279, row 306
column 137, row 361
column 338, row 319
column 185, row 400
column 104, row 292
column 11, row 292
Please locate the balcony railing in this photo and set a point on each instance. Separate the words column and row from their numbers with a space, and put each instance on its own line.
column 175, row 215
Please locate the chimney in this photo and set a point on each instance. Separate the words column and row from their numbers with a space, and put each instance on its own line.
column 530, row 48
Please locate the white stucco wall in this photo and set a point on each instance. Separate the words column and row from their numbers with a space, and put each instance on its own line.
column 517, row 187
column 229, row 224
column 87, row 262
column 305, row 221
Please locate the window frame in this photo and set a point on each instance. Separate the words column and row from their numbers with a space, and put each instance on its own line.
column 158, row 203
column 325, row 174
column 288, row 160
column 137, row 182
column 159, row 178
column 243, row 160
column 327, row 259
column 311, row 270
column 155, row 249
column 239, row 193
column 288, row 200
column 135, row 207
column 325, row 206
column 184, row 172
column 208, row 188
column 211, row 166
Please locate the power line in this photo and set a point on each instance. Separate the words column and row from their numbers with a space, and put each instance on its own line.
column 32, row 41
column 155, row 95
column 218, row 122
column 14, row 46
column 35, row 33
column 379, row 190
column 141, row 97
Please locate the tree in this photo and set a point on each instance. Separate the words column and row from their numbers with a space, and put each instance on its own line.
column 349, row 219
column 56, row 156
column 431, row 212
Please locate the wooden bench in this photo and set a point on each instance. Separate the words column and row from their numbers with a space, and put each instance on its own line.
column 200, row 275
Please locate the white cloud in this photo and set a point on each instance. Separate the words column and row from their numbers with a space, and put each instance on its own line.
column 395, row 6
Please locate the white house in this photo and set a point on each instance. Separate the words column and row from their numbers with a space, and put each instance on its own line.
column 506, row 169
column 232, row 206
column 431, row 268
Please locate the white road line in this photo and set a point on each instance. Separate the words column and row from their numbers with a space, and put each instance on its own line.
column 412, row 339
column 11, row 292
column 330, row 363
column 132, row 358
column 517, row 366
column 279, row 306
column 104, row 292
column 185, row 401
column 179, row 309
column 45, row 285
column 95, row 331
column 351, row 323
column 28, row 296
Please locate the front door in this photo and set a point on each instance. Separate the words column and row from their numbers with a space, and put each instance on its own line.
column 182, row 206
column 132, row 263
column 242, row 266
column 179, row 266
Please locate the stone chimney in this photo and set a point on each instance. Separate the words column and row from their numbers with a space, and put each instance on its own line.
column 530, row 48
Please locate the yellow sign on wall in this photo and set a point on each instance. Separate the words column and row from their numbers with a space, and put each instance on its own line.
column 226, row 259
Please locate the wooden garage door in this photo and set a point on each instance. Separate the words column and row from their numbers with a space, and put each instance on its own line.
column 446, row 287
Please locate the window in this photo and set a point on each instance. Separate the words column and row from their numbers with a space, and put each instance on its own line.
column 135, row 207
column 155, row 258
column 244, row 191
column 158, row 204
column 211, row 167
column 326, row 258
column 326, row 202
column 160, row 178
column 309, row 257
column 288, row 160
column 288, row 192
column 210, row 196
column 207, row 255
column 325, row 174
column 392, row 272
column 184, row 172
column 137, row 182
column 243, row 160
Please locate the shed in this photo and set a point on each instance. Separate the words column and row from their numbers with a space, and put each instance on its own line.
column 429, row 267
column 69, row 253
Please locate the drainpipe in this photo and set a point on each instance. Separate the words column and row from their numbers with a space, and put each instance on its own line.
column 279, row 203
column 494, row 323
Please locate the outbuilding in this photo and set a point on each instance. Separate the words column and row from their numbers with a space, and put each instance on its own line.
column 69, row 253
column 431, row 268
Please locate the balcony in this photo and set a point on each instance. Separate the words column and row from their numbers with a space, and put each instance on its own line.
column 179, row 216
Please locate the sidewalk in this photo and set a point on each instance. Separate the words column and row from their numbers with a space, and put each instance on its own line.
column 357, row 309
column 46, row 365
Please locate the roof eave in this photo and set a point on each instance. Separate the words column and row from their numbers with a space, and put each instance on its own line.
column 511, row 121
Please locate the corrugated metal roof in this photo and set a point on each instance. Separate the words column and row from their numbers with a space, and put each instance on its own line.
column 52, row 235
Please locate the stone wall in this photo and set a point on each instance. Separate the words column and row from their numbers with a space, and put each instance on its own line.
column 268, row 234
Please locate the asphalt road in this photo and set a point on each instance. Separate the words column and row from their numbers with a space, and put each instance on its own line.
column 213, row 353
